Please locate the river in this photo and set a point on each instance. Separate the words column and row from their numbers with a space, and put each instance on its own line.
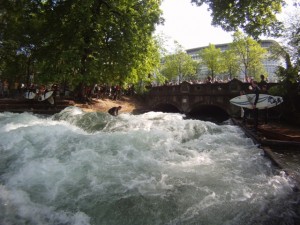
column 78, row 168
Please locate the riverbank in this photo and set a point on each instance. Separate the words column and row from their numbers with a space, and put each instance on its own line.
column 275, row 132
column 132, row 104
column 281, row 143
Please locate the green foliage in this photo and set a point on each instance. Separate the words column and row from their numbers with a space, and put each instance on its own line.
column 288, row 86
column 250, row 55
column 288, row 75
column 79, row 41
column 179, row 65
column 230, row 63
column 147, row 70
column 291, row 35
column 277, row 91
column 255, row 17
column 211, row 58
column 288, row 78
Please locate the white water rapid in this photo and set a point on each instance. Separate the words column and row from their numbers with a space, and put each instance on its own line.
column 77, row 168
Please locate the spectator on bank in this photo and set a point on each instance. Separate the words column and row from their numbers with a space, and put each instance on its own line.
column 5, row 89
column 96, row 91
column 16, row 90
column 42, row 89
column 131, row 90
column 208, row 80
column 1, row 89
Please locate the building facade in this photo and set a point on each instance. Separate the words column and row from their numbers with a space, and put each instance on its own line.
column 269, row 64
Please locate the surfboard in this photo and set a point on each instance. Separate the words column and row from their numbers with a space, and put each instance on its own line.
column 51, row 100
column 264, row 101
column 45, row 96
column 29, row 95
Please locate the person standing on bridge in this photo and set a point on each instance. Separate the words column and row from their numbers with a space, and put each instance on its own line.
column 263, row 83
column 208, row 80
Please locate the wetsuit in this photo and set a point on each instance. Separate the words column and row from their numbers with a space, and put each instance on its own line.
column 255, row 110
column 114, row 111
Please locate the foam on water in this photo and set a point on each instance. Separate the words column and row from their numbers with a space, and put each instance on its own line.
column 154, row 168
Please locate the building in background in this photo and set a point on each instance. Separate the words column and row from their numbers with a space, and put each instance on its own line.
column 270, row 65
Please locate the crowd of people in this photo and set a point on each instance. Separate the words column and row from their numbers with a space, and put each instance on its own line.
column 17, row 90
column 98, row 91
column 207, row 80
column 101, row 91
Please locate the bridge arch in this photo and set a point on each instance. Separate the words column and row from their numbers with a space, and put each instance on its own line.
column 208, row 112
column 192, row 99
column 166, row 107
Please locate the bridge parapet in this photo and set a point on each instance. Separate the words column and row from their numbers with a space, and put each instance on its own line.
column 187, row 96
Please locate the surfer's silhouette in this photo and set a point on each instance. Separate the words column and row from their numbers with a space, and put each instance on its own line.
column 114, row 111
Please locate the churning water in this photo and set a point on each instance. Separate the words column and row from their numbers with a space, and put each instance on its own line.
column 156, row 168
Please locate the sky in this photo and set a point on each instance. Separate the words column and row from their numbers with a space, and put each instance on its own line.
column 189, row 25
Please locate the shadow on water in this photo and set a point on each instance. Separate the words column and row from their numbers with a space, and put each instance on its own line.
column 167, row 108
column 209, row 113
column 204, row 112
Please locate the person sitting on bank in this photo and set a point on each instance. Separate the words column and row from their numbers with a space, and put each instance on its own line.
column 114, row 111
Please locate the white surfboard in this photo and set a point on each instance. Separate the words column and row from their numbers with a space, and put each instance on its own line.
column 45, row 96
column 264, row 101
column 51, row 100
column 29, row 95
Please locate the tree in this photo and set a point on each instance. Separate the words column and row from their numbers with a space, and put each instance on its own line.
column 147, row 71
column 291, row 35
column 288, row 78
column 211, row 58
column 254, row 17
column 178, row 65
column 79, row 41
column 249, row 54
column 21, row 30
column 288, row 50
column 230, row 63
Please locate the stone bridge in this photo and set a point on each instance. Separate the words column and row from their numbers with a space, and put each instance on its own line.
column 195, row 99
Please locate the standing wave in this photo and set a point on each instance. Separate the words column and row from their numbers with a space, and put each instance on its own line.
column 154, row 168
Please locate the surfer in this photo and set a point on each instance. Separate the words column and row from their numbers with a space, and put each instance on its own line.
column 255, row 89
column 264, row 90
column 114, row 111
column 244, row 111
